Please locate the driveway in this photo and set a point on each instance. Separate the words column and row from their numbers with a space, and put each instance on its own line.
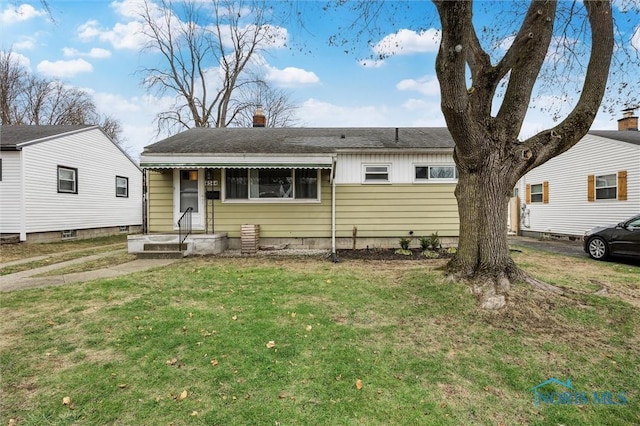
column 566, row 247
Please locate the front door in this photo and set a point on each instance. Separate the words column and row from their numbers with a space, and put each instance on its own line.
column 188, row 191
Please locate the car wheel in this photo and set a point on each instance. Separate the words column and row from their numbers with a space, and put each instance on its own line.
column 598, row 248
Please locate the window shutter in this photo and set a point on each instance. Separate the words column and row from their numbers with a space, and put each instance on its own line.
column 545, row 192
column 591, row 188
column 622, row 185
column 528, row 194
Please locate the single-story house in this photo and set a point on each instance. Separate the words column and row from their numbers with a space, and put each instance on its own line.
column 596, row 182
column 303, row 187
column 65, row 182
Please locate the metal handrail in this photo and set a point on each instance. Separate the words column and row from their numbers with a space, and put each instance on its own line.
column 184, row 228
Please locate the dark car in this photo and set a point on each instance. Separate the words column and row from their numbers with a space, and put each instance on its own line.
column 622, row 239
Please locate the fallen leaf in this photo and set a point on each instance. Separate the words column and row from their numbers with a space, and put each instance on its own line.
column 282, row 396
column 214, row 362
column 293, row 314
column 66, row 401
column 51, row 323
column 358, row 384
column 183, row 395
column 172, row 361
column 122, row 385
column 194, row 413
column 271, row 344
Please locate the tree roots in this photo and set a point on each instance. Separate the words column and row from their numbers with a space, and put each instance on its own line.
column 492, row 289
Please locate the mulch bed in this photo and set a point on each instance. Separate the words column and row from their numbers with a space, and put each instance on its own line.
column 387, row 254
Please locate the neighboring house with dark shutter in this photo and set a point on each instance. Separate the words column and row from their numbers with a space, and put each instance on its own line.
column 304, row 187
column 64, row 182
column 597, row 182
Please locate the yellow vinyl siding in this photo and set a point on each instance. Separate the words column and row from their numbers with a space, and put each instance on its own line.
column 160, row 204
column 394, row 210
column 377, row 210
column 278, row 220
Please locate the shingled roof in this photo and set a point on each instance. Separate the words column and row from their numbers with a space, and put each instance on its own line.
column 12, row 136
column 629, row 136
column 300, row 140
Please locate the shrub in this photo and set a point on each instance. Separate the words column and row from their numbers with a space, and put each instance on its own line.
column 404, row 243
column 431, row 242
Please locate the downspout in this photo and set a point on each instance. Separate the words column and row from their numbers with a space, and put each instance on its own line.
column 334, row 256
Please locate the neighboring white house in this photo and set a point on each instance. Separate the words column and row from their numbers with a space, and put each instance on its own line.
column 59, row 182
column 597, row 182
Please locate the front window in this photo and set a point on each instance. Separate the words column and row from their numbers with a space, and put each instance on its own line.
column 67, row 180
column 122, row 186
column 537, row 193
column 188, row 190
column 376, row 173
column 435, row 173
column 271, row 184
column 606, row 187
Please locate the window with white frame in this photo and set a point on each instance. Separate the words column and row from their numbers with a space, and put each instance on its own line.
column 376, row 173
column 428, row 173
column 67, row 180
column 272, row 184
column 122, row 186
column 606, row 187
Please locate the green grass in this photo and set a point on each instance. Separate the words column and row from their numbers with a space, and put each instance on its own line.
column 10, row 252
column 124, row 350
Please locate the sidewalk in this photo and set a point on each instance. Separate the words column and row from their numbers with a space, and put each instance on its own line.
column 24, row 280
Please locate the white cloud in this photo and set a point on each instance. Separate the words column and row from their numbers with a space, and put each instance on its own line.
column 635, row 40
column 407, row 42
column 24, row 12
column 290, row 76
column 95, row 52
column 121, row 36
column 64, row 69
column 19, row 59
column 25, row 43
column 316, row 113
column 427, row 85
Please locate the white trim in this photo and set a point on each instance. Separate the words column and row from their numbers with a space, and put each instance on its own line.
column 433, row 181
column 197, row 219
column 224, row 199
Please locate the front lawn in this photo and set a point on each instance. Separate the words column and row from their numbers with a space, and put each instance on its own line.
column 231, row 341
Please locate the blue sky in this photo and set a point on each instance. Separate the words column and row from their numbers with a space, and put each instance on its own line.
column 95, row 45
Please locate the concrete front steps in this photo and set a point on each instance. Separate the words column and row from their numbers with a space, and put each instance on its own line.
column 162, row 251
column 166, row 246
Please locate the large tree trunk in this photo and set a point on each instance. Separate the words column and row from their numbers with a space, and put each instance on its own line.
column 483, row 252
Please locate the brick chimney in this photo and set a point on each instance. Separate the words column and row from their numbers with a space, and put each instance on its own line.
column 259, row 119
column 628, row 120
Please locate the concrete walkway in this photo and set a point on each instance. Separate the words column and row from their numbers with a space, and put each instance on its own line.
column 25, row 279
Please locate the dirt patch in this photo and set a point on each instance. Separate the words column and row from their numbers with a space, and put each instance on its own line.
column 392, row 254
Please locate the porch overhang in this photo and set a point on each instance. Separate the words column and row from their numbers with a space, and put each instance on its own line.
column 237, row 161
